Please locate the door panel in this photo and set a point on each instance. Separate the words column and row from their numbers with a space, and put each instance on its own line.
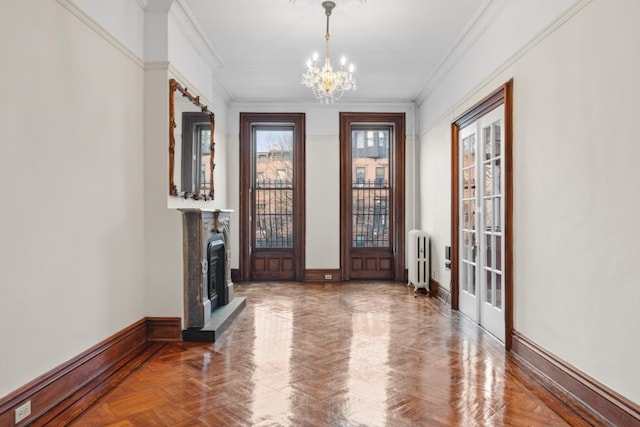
column 481, row 226
column 482, row 250
column 374, row 265
column 371, row 254
column 491, row 217
column 468, row 237
column 272, row 190
column 272, row 196
column 272, row 265
column 372, row 195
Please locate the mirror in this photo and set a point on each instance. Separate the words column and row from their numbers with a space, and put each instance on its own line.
column 191, row 145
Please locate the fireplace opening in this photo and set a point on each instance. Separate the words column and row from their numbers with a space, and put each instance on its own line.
column 216, row 286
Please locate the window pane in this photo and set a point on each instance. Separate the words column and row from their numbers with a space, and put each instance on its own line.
column 498, row 299
column 471, row 156
column 465, row 183
column 205, row 140
column 488, row 179
column 487, row 249
column 466, row 214
column 204, row 168
column 497, row 143
column 488, row 214
column 370, row 187
column 496, row 178
column 358, row 137
column 486, row 140
column 463, row 277
column 273, row 175
column 468, row 153
column 472, row 215
column 498, row 252
column 472, row 280
column 488, row 288
column 497, row 214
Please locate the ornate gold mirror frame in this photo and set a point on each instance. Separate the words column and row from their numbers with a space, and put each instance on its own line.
column 205, row 192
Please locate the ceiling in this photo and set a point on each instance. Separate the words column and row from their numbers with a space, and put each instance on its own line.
column 260, row 47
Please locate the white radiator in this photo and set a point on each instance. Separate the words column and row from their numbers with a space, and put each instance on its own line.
column 418, row 259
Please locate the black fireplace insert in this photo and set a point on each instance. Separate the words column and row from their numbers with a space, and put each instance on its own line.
column 216, row 286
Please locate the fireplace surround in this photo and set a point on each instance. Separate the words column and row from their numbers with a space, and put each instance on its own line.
column 209, row 303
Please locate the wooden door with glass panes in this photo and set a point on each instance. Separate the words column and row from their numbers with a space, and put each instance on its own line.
column 272, row 196
column 372, row 196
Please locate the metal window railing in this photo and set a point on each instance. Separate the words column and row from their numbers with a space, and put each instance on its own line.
column 370, row 213
column 273, row 213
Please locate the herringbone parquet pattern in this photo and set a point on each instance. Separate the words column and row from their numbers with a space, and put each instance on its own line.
column 334, row 355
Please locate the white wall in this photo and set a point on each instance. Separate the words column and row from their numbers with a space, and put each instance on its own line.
column 576, row 95
column 163, row 226
column 322, row 171
column 72, row 246
column 434, row 200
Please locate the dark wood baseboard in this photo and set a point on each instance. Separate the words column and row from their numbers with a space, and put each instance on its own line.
column 76, row 403
column 310, row 275
column 164, row 329
column 438, row 291
column 610, row 405
column 318, row 275
column 66, row 390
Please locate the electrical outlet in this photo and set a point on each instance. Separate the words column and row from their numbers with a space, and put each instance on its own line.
column 328, row 277
column 23, row 411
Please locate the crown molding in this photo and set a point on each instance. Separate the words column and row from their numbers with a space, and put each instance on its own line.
column 193, row 31
column 481, row 87
column 476, row 27
column 340, row 105
column 101, row 31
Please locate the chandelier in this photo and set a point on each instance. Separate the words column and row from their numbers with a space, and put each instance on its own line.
column 328, row 85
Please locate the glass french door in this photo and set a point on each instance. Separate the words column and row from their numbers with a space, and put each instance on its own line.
column 372, row 199
column 272, row 196
column 272, row 200
column 481, row 224
column 371, row 236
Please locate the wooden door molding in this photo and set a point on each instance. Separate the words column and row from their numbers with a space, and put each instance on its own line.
column 397, row 180
column 246, row 162
column 504, row 95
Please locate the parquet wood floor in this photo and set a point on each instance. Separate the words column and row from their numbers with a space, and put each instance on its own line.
column 347, row 354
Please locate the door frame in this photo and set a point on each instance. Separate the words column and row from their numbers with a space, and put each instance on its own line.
column 397, row 181
column 247, row 120
column 503, row 95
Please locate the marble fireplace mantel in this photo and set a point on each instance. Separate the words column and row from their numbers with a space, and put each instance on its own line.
column 206, row 317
